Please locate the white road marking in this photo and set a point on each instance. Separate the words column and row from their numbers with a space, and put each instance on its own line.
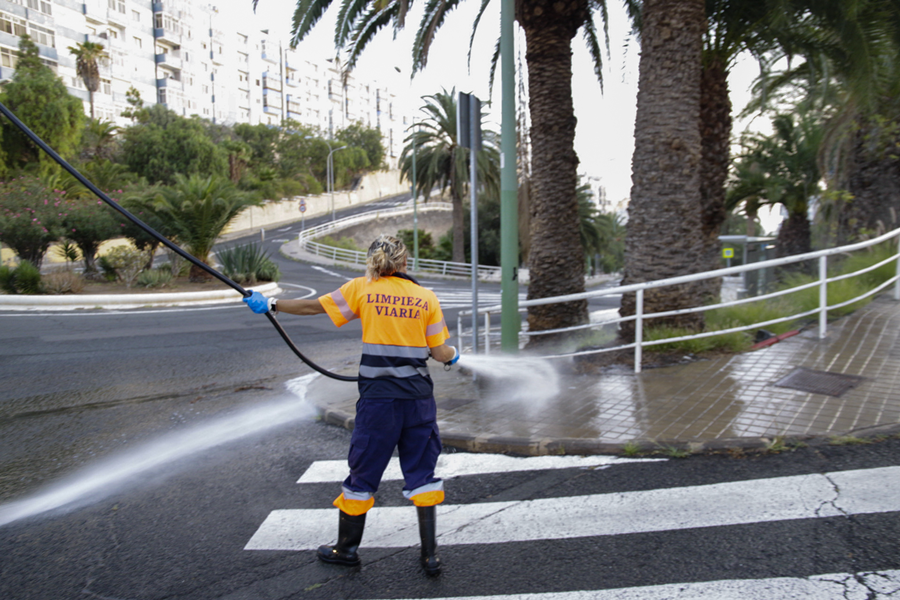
column 458, row 465
column 834, row 586
column 835, row 494
column 332, row 273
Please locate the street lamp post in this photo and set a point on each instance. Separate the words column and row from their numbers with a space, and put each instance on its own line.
column 329, row 175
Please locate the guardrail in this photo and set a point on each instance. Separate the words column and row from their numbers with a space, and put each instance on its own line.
column 356, row 257
column 639, row 288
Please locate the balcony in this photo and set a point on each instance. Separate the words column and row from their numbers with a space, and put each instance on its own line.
column 94, row 11
column 169, row 36
column 291, row 82
column 171, row 60
column 270, row 83
column 271, row 110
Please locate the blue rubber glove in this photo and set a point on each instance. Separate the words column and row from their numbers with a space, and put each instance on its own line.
column 258, row 303
column 455, row 358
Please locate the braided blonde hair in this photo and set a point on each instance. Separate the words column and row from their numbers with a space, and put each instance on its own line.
column 386, row 256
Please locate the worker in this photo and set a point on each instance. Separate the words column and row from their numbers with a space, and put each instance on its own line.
column 402, row 326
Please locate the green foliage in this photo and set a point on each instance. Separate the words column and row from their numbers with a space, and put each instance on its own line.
column 40, row 100
column 343, row 243
column 68, row 251
column 135, row 104
column 154, row 278
column 126, row 262
column 195, row 210
column 164, row 145
column 248, row 264
column 23, row 279
column 426, row 243
column 90, row 222
column 368, row 139
column 31, row 217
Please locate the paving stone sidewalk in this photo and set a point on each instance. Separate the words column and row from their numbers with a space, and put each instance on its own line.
column 735, row 401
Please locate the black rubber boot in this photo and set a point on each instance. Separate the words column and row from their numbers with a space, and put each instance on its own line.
column 350, row 531
column 431, row 562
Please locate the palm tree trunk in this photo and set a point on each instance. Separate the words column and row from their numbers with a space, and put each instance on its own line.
column 556, row 258
column 715, row 135
column 91, row 97
column 664, row 235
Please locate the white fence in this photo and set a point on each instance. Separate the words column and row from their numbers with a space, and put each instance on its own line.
column 356, row 257
column 638, row 289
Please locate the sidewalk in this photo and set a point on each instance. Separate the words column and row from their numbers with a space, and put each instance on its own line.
column 724, row 403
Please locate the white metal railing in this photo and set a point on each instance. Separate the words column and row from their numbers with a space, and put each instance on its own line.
column 639, row 288
column 357, row 257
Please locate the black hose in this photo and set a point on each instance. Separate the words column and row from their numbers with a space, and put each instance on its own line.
column 162, row 239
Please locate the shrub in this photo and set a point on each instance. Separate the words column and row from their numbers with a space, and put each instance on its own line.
column 6, row 279
column 107, row 269
column 31, row 217
column 153, row 278
column 24, row 279
column 127, row 262
column 248, row 264
column 63, row 282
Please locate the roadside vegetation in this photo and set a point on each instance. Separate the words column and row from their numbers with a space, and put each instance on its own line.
column 185, row 177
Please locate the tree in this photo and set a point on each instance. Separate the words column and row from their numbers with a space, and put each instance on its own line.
column 442, row 162
column 783, row 169
column 549, row 26
column 163, row 145
column 664, row 215
column 31, row 217
column 195, row 210
column 368, row 138
column 87, row 59
column 40, row 100
column 135, row 104
column 98, row 140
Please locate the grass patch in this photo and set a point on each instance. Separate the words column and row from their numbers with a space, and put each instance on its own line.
column 631, row 449
column 344, row 243
column 847, row 440
column 746, row 315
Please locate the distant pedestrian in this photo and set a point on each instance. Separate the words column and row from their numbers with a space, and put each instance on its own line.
column 402, row 327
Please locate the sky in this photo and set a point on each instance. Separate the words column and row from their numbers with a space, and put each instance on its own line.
column 604, row 137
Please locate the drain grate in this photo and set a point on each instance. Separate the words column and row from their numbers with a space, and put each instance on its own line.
column 819, row 382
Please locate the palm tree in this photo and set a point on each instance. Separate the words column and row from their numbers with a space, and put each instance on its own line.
column 554, row 249
column 87, row 58
column 195, row 210
column 783, row 169
column 664, row 215
column 442, row 162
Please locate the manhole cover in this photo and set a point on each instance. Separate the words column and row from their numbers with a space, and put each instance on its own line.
column 819, row 382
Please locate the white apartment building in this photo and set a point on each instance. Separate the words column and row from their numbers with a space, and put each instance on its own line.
column 183, row 54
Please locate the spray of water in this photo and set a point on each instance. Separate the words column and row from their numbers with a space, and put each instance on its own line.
column 531, row 381
column 101, row 479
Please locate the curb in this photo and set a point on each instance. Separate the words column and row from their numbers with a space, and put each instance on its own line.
column 121, row 301
column 585, row 447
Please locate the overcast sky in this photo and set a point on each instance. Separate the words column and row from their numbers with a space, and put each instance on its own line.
column 604, row 137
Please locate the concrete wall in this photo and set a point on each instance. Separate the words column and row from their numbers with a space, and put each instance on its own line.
column 374, row 186
column 437, row 223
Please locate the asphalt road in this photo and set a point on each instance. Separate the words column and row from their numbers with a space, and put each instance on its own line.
column 182, row 432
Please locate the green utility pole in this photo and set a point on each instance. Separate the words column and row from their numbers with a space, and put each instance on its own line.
column 415, row 207
column 509, row 201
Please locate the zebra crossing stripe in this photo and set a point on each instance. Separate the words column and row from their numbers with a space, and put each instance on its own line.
column 835, row 586
column 457, row 465
column 836, row 494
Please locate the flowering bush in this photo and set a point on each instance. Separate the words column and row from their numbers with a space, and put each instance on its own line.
column 31, row 217
column 88, row 223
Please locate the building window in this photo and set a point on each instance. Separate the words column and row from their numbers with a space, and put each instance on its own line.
column 136, row 16
column 8, row 57
column 162, row 95
column 105, row 87
column 42, row 35
column 137, row 42
column 13, row 25
column 39, row 5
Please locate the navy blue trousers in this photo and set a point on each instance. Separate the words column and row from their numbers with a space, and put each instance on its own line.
column 385, row 424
